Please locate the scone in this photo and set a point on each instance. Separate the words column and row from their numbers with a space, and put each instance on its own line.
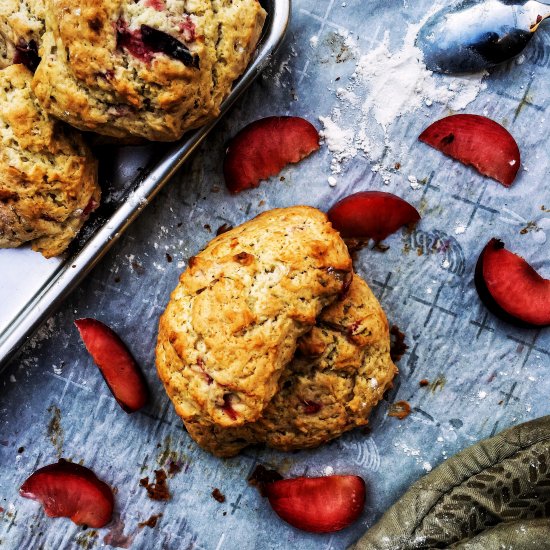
column 21, row 28
column 147, row 68
column 48, row 176
column 233, row 322
column 340, row 371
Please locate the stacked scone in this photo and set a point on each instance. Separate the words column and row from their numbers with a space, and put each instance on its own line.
column 145, row 69
column 270, row 337
column 48, row 176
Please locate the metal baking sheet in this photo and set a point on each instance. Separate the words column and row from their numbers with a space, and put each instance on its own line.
column 32, row 287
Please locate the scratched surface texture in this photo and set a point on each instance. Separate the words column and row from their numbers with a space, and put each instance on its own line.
column 484, row 375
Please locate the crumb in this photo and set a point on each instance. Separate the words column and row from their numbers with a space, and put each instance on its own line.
column 355, row 245
column 159, row 489
column 261, row 203
column 424, row 382
column 117, row 279
column 400, row 410
column 397, row 165
column 262, row 476
column 218, row 495
column 169, row 258
column 223, row 228
column 398, row 346
column 173, row 468
column 179, row 224
column 21, row 450
column 151, row 522
column 208, row 227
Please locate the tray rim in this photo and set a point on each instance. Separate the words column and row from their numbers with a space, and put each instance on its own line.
column 74, row 269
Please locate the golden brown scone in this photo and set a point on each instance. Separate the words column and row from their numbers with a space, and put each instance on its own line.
column 341, row 370
column 233, row 322
column 21, row 28
column 148, row 68
column 48, row 176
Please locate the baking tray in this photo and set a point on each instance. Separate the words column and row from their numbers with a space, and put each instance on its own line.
column 32, row 287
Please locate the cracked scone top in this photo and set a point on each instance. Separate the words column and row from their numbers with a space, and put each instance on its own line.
column 340, row 371
column 233, row 321
column 147, row 68
column 48, row 176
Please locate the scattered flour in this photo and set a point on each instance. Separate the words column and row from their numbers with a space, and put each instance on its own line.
column 347, row 95
column 414, row 182
column 385, row 86
column 399, row 83
column 459, row 229
column 339, row 142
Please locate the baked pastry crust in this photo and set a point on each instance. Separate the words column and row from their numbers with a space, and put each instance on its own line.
column 48, row 176
column 341, row 370
column 106, row 68
column 233, row 321
column 21, row 23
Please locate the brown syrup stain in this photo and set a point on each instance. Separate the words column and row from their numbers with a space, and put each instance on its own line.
column 55, row 431
column 151, row 522
column 116, row 537
column 438, row 383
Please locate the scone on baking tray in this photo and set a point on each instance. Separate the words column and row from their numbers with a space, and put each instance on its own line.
column 147, row 68
column 233, row 322
column 48, row 176
column 269, row 339
column 340, row 371
column 21, row 28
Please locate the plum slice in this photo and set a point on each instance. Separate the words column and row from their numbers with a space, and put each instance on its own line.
column 70, row 490
column 371, row 215
column 318, row 504
column 476, row 141
column 159, row 41
column 511, row 288
column 144, row 42
column 118, row 367
column 264, row 147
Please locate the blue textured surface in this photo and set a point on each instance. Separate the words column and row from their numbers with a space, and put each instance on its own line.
column 485, row 375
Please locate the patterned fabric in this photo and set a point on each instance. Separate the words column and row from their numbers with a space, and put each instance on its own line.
column 495, row 494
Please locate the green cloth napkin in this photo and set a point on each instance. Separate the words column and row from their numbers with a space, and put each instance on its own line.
column 493, row 495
